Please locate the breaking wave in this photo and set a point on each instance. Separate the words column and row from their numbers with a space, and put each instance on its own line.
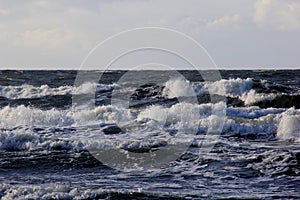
column 27, row 132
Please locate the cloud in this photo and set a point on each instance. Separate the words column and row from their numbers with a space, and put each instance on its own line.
column 4, row 12
column 228, row 21
column 68, row 30
column 54, row 24
column 262, row 8
column 277, row 14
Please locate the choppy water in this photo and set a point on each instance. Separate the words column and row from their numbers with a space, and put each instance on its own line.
column 44, row 142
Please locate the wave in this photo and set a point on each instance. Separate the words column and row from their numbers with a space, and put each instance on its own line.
column 238, row 91
column 252, row 92
column 29, row 91
column 279, row 101
column 231, row 87
column 178, row 88
column 30, row 139
column 289, row 125
column 272, row 162
column 11, row 117
column 36, row 128
column 66, row 191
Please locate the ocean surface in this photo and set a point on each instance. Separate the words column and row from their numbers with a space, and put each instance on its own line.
column 233, row 138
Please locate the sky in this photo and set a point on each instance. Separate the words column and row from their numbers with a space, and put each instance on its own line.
column 238, row 34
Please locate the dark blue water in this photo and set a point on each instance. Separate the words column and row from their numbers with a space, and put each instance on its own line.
column 244, row 142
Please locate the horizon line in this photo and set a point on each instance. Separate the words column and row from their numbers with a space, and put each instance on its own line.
column 126, row 69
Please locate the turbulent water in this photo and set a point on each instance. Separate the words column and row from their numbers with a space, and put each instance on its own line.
column 242, row 134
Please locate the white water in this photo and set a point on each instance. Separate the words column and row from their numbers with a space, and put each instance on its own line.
column 289, row 126
column 29, row 91
column 240, row 88
column 230, row 87
column 18, row 122
column 178, row 88
column 252, row 97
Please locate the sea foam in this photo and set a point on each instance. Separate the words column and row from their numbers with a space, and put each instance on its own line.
column 289, row 126
column 30, row 91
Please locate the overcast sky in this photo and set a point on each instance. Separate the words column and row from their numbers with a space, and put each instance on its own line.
column 58, row 34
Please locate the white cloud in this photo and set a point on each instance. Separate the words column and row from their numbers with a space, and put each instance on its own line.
column 4, row 12
column 228, row 21
column 262, row 8
column 277, row 14
column 67, row 30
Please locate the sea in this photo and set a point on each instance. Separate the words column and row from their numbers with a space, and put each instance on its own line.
column 149, row 134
